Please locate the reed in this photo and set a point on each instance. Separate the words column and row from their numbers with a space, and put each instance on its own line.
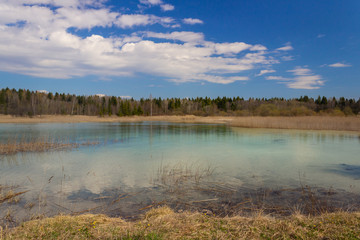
column 15, row 145
column 305, row 123
column 8, row 194
column 348, row 123
column 181, row 176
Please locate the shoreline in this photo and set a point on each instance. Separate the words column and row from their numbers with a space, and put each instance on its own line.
column 351, row 124
column 164, row 223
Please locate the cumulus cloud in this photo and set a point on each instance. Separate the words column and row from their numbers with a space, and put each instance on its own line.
column 339, row 65
column 287, row 58
column 180, row 36
column 262, row 72
column 287, row 47
column 303, row 78
column 151, row 2
column 167, row 7
column 164, row 6
column 38, row 39
column 131, row 20
column 279, row 78
column 230, row 48
column 192, row 21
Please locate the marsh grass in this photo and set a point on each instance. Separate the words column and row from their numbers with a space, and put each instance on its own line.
column 196, row 187
column 349, row 123
column 8, row 194
column 14, row 145
column 164, row 223
column 305, row 123
column 180, row 177
column 184, row 187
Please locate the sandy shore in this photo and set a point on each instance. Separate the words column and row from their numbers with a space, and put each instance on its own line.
column 306, row 123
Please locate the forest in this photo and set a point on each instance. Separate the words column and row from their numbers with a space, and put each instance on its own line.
column 23, row 102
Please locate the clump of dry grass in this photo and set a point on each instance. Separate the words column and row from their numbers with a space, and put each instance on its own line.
column 8, row 194
column 164, row 223
column 14, row 145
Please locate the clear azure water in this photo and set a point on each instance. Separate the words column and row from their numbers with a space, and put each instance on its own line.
column 129, row 157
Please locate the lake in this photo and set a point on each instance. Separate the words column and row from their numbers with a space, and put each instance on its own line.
column 206, row 167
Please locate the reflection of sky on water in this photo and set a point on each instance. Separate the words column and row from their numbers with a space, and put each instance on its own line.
column 130, row 154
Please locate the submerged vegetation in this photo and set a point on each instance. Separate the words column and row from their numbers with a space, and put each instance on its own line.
column 164, row 223
column 181, row 177
column 9, row 194
column 29, row 103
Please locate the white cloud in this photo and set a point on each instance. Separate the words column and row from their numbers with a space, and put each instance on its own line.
column 164, row 6
column 306, row 82
column 279, row 78
column 167, row 7
column 231, row 48
column 131, row 20
column 42, row 91
column 192, row 21
column 181, row 36
column 299, row 71
column 339, row 65
column 321, row 35
column 212, row 79
column 151, row 2
column 287, row 58
column 258, row 47
column 303, row 78
column 262, row 72
column 287, row 47
column 36, row 40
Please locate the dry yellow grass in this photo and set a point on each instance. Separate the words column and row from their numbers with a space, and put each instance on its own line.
column 13, row 146
column 163, row 223
column 306, row 122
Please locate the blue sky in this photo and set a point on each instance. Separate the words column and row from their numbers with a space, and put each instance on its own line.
column 182, row 48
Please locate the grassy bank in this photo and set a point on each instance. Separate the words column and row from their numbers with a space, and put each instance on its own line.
column 305, row 123
column 163, row 223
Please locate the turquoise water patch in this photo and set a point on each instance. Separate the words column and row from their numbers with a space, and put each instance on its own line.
column 136, row 165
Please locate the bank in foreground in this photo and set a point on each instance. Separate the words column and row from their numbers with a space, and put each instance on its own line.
column 163, row 223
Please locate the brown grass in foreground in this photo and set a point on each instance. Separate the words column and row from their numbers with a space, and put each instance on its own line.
column 13, row 146
column 163, row 223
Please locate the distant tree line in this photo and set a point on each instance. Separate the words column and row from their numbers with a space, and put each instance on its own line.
column 29, row 103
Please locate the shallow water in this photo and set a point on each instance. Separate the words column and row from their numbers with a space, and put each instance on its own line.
column 140, row 165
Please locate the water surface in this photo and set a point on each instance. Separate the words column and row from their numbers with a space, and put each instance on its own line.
column 139, row 165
